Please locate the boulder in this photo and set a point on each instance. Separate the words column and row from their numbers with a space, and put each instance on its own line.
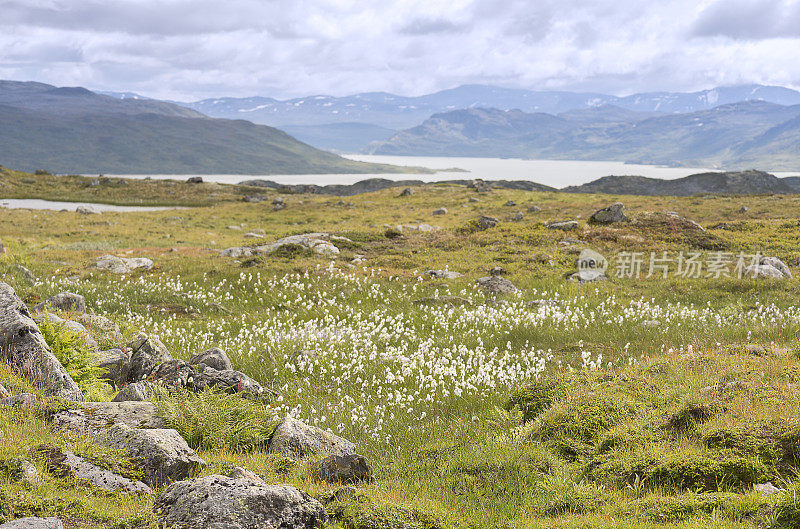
column 174, row 373
column 33, row 523
column 214, row 357
column 407, row 192
column 116, row 365
column 86, row 209
column 609, row 214
column 518, row 216
column 147, row 352
column 63, row 301
column 195, row 180
column 496, row 285
column 534, row 209
column 350, row 468
column 221, row 502
column 296, row 439
column 122, row 265
column 94, row 417
column 763, row 271
column 440, row 211
column 777, row 264
column 230, row 381
column 4, row 392
column 480, row 186
column 166, row 455
column 22, row 346
column 63, row 463
column 135, row 392
column 564, row 225
column 485, row 222
column 510, row 204
column 441, row 274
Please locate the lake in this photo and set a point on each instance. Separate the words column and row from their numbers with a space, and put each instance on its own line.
column 555, row 173
column 35, row 203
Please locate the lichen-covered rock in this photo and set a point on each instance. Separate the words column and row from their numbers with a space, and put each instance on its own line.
column 135, row 392
column 496, row 285
column 350, row 468
column 63, row 301
column 115, row 365
column 214, row 357
column 230, row 381
column 33, row 523
column 165, row 453
column 123, row 265
column 442, row 274
column 62, row 463
column 486, row 223
column 318, row 242
column 147, row 352
column 23, row 347
column 564, row 225
column 777, row 264
column 221, row 502
column 94, row 417
column 296, row 439
column 763, row 271
column 609, row 215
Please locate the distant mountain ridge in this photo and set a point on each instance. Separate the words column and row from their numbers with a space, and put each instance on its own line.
column 731, row 183
column 74, row 130
column 748, row 133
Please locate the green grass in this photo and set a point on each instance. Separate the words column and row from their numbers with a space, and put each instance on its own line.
column 509, row 415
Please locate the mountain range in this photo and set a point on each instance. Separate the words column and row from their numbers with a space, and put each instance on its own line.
column 737, row 135
column 74, row 130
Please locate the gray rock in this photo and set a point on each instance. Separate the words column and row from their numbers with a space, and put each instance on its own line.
column 175, row 373
column 123, row 265
column 350, row 468
column 486, row 223
column 22, row 346
column 565, row 225
column 767, row 489
column 20, row 400
column 230, row 381
column 534, row 209
column 116, row 365
column 214, row 357
column 166, row 455
column 253, row 235
column 744, row 209
column 496, row 285
column 407, row 192
column 95, row 417
column 510, row 204
column 778, row 264
column 480, row 186
column 442, row 274
column 518, row 216
column 100, row 326
column 86, row 210
column 4, row 392
column 763, row 271
column 63, row 301
column 33, row 523
column 221, row 502
column 453, row 301
column 147, row 352
column 316, row 242
column 609, row 214
column 79, row 329
column 440, row 211
column 296, row 439
column 195, row 180
column 246, row 475
column 135, row 392
column 62, row 463
column 28, row 473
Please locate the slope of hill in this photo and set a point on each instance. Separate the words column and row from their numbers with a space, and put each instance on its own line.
column 340, row 137
column 73, row 130
column 750, row 133
column 730, row 183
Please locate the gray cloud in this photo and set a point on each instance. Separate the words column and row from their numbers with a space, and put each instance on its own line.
column 189, row 49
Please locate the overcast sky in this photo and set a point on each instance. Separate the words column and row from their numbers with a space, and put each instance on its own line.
column 186, row 50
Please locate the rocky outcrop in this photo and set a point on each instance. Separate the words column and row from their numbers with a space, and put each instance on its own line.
column 319, row 243
column 123, row 265
column 496, row 285
column 63, row 301
column 62, row 463
column 296, row 439
column 23, row 347
column 609, row 215
column 94, row 417
column 166, row 455
column 221, row 502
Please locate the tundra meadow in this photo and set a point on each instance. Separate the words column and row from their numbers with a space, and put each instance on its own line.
column 661, row 401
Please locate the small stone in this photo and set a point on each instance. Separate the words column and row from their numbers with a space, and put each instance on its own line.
column 565, row 225
column 510, row 203
column 485, row 223
column 534, row 209
column 497, row 285
column 497, row 271
column 195, row 180
column 63, row 301
column 441, row 274
column 440, row 211
column 86, row 210
column 767, row 489
column 609, row 215
column 407, row 192
column 518, row 216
